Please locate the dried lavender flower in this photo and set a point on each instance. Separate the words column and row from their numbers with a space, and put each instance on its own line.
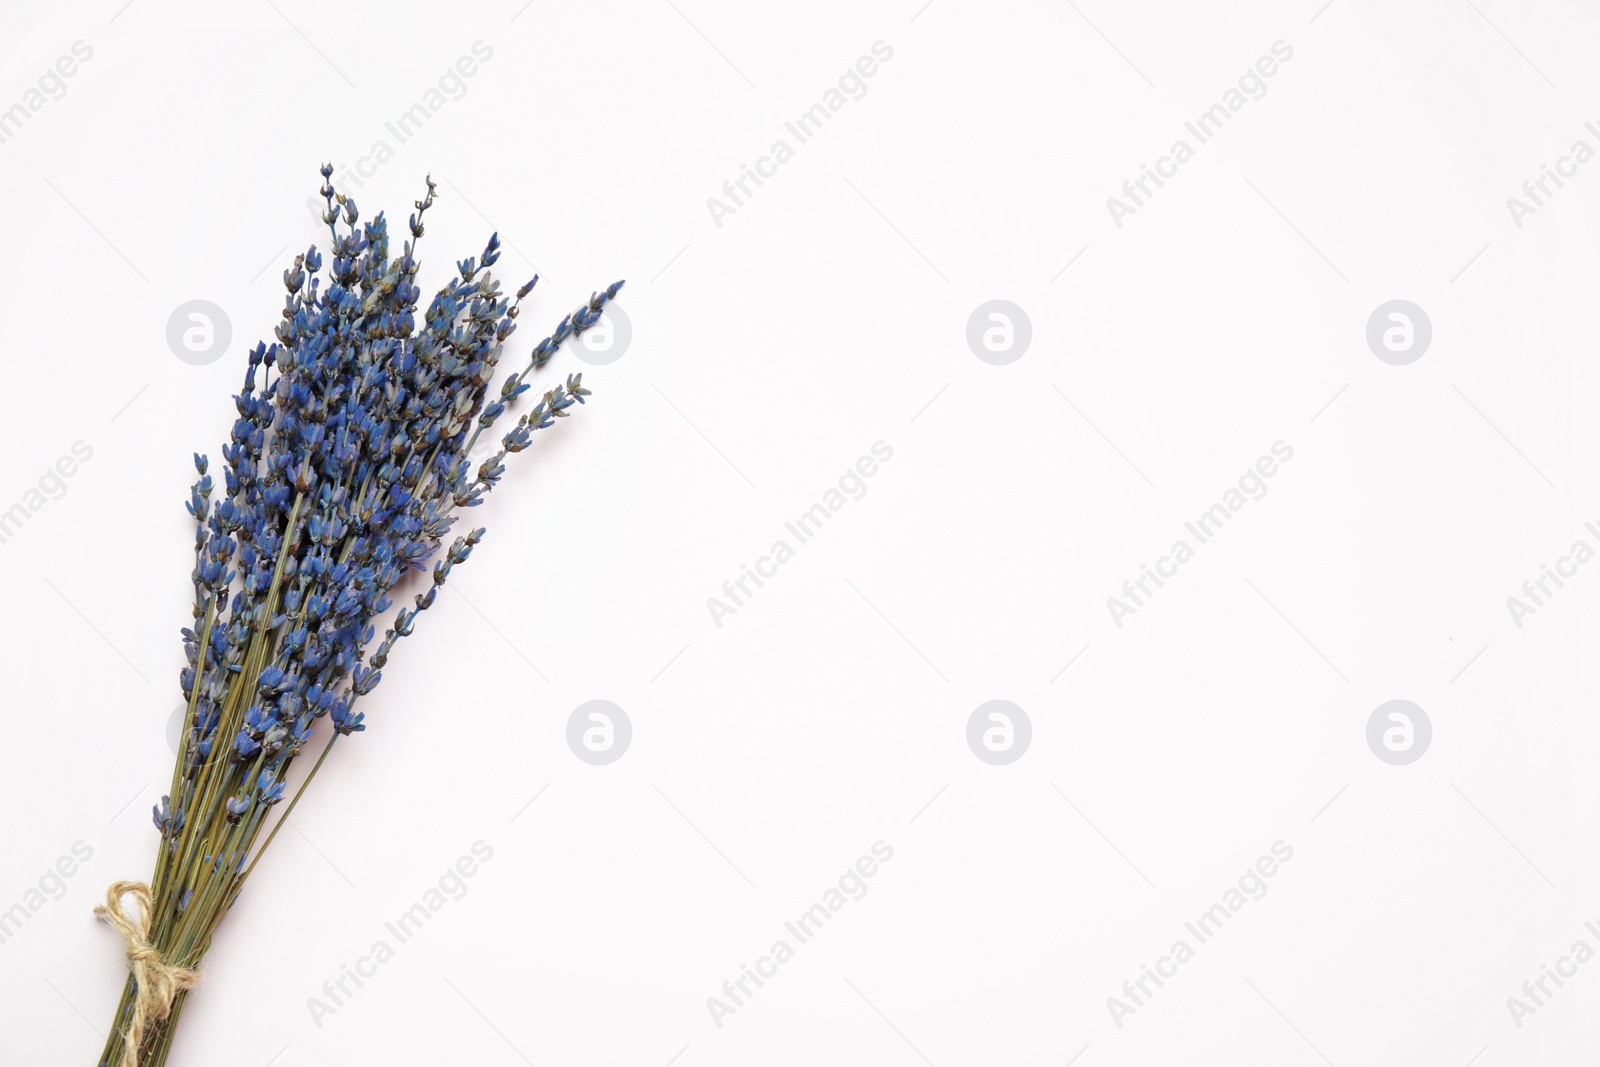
column 343, row 472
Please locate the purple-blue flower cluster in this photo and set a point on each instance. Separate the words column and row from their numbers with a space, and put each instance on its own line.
column 344, row 471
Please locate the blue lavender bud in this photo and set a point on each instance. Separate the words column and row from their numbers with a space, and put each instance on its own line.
column 344, row 721
column 244, row 746
column 364, row 680
column 271, row 789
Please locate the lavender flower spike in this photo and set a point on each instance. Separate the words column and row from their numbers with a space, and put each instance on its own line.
column 343, row 471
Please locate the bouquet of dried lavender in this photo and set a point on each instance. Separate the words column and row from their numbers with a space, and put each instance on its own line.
column 344, row 470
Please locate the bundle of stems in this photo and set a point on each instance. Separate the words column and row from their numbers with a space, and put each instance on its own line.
column 343, row 472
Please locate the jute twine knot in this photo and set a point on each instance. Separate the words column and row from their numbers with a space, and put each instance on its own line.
column 158, row 982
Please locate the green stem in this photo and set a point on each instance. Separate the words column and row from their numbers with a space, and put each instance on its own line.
column 315, row 767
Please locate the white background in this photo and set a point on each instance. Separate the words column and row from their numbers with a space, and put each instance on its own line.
column 768, row 354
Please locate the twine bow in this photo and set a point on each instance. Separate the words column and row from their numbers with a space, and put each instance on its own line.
column 156, row 980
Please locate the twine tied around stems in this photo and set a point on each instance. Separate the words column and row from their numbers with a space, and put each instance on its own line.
column 156, row 980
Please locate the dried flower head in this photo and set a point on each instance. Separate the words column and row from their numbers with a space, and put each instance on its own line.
column 344, row 470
